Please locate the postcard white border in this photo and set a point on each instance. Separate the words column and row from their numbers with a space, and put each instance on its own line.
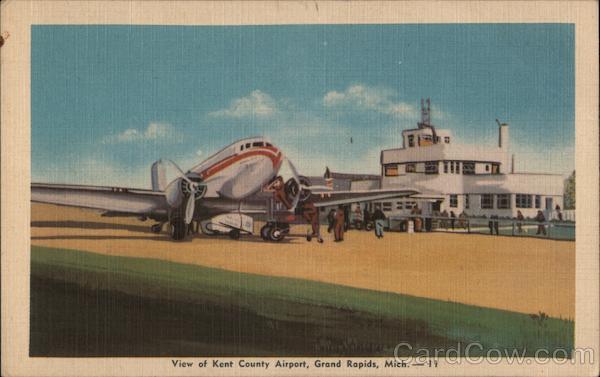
column 17, row 16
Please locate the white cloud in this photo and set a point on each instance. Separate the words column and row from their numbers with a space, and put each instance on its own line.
column 257, row 104
column 156, row 131
column 362, row 97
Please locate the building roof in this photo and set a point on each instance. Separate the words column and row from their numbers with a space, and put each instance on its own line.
column 351, row 176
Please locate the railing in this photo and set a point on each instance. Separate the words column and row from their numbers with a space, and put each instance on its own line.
column 560, row 230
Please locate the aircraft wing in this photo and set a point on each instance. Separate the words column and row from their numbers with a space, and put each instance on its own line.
column 112, row 199
column 333, row 198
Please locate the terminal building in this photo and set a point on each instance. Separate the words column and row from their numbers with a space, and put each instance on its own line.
column 478, row 180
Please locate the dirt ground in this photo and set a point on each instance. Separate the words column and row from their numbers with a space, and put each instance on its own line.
column 519, row 274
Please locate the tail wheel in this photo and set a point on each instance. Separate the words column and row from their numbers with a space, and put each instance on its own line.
column 276, row 234
column 177, row 228
column 234, row 234
column 264, row 232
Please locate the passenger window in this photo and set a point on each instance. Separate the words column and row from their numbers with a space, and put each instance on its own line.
column 247, row 145
column 257, row 144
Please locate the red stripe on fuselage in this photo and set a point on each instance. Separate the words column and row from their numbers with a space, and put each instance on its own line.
column 223, row 164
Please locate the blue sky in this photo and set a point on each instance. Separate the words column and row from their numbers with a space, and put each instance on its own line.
column 107, row 101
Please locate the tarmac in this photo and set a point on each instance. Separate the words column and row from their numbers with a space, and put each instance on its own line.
column 526, row 275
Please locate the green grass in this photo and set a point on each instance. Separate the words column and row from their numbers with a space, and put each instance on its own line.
column 287, row 299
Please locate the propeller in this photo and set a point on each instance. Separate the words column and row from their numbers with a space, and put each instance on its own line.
column 194, row 188
column 300, row 184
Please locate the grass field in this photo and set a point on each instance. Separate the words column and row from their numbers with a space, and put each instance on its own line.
column 87, row 304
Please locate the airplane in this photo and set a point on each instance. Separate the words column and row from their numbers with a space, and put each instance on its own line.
column 233, row 180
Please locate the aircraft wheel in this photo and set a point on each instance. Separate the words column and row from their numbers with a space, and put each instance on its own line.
column 178, row 229
column 264, row 232
column 156, row 228
column 276, row 234
column 234, row 234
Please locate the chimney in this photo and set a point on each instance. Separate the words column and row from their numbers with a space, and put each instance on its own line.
column 512, row 164
column 502, row 135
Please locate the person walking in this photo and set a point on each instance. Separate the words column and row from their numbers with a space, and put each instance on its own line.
column 310, row 213
column 340, row 222
column 379, row 218
column 541, row 219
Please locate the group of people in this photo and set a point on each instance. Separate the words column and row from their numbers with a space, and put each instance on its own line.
column 339, row 222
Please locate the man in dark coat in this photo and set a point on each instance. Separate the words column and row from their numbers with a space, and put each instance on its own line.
column 340, row 222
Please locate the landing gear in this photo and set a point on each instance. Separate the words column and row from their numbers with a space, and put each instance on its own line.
column 274, row 231
column 234, row 234
column 264, row 232
column 156, row 228
column 177, row 228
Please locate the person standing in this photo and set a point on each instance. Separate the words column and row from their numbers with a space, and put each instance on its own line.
column 358, row 217
column 366, row 218
column 340, row 222
column 520, row 218
column 493, row 224
column 559, row 213
column 330, row 220
column 379, row 218
column 452, row 219
column 462, row 220
column 541, row 219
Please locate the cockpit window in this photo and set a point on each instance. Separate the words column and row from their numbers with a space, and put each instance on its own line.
column 242, row 147
column 269, row 144
column 258, row 144
column 247, row 145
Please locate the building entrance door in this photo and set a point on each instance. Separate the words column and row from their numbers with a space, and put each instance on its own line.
column 549, row 204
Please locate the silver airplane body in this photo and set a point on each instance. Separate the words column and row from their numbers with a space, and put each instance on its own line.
column 233, row 180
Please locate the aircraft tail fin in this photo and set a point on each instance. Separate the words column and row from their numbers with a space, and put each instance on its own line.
column 159, row 176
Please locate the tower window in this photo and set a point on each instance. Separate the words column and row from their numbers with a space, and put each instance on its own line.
column 411, row 141
column 391, row 170
column 431, row 167
column 468, row 168
column 447, row 139
column 411, row 168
